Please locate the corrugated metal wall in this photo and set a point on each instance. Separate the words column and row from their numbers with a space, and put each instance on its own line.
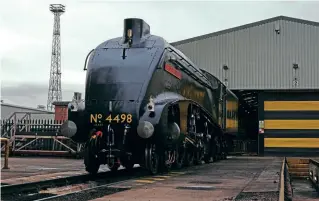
column 259, row 58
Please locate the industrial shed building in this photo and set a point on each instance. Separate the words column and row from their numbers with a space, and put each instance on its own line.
column 8, row 110
column 273, row 67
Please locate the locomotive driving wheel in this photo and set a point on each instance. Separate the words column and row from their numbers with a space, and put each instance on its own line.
column 199, row 155
column 217, row 152
column 91, row 162
column 128, row 164
column 152, row 159
column 166, row 163
column 189, row 160
column 114, row 165
column 224, row 156
column 207, row 154
column 180, row 156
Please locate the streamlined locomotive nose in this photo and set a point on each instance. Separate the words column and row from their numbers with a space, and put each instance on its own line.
column 115, row 83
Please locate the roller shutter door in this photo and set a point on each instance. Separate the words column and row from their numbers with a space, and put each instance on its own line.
column 291, row 123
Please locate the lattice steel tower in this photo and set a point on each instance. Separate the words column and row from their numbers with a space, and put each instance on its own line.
column 55, row 92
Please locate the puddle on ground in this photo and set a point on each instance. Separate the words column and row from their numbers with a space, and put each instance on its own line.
column 196, row 187
column 41, row 168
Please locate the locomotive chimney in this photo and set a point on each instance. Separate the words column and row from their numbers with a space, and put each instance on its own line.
column 135, row 30
column 77, row 96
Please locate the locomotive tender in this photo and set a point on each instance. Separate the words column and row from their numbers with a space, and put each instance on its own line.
column 146, row 103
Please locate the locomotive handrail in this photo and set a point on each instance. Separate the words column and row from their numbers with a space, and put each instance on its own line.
column 191, row 65
column 194, row 76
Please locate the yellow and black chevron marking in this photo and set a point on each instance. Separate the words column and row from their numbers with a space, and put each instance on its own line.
column 153, row 179
column 291, row 123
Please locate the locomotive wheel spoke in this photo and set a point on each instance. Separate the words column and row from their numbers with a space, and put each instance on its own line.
column 207, row 153
column 199, row 157
column 165, row 162
column 180, row 157
column 153, row 159
column 189, row 157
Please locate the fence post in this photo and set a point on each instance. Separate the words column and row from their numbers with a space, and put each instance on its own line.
column 6, row 152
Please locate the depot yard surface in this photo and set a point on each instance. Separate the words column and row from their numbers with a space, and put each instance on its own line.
column 27, row 169
column 238, row 178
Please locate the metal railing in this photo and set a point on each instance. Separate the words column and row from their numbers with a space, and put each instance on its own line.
column 36, row 136
column 314, row 173
column 5, row 141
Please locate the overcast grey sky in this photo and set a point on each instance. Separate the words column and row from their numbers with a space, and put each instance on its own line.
column 27, row 25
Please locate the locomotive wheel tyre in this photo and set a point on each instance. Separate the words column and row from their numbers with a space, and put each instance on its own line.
column 180, row 158
column 225, row 156
column 215, row 158
column 114, row 167
column 207, row 159
column 207, row 153
column 153, row 159
column 91, row 163
column 164, row 158
column 189, row 158
column 217, row 154
column 198, row 158
column 128, row 164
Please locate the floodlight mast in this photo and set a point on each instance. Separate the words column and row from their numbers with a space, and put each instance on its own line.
column 55, row 91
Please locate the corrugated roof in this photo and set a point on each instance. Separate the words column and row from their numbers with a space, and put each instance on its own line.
column 245, row 27
column 24, row 107
column 61, row 103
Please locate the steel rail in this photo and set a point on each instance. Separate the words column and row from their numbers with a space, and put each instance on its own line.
column 314, row 173
column 282, row 181
column 66, row 195
column 39, row 185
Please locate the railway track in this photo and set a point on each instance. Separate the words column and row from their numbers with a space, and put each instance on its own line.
column 314, row 173
column 89, row 193
column 75, row 186
column 80, row 187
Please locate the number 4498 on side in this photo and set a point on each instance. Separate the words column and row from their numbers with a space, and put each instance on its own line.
column 119, row 118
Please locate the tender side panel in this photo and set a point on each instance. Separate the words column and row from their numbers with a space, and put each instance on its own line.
column 291, row 123
column 231, row 113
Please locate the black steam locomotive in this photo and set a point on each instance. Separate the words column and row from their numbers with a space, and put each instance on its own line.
column 146, row 103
